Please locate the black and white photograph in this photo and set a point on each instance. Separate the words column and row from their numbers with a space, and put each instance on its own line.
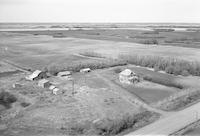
column 99, row 67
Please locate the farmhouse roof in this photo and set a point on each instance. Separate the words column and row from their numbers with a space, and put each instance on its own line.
column 52, row 87
column 127, row 72
column 35, row 74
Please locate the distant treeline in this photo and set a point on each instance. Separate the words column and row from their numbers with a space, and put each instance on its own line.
column 76, row 66
column 169, row 65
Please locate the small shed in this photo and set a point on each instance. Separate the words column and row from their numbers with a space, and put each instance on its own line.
column 37, row 74
column 85, row 70
column 44, row 83
column 17, row 85
column 57, row 91
column 64, row 73
column 51, row 87
column 128, row 77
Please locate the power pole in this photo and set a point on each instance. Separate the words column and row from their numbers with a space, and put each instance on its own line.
column 73, row 92
column 196, row 115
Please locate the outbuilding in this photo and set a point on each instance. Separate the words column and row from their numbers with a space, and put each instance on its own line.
column 64, row 73
column 44, row 83
column 17, row 85
column 51, row 87
column 128, row 77
column 85, row 70
column 37, row 74
column 57, row 91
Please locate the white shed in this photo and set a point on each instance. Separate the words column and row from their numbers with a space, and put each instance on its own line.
column 64, row 73
column 57, row 91
column 51, row 87
column 85, row 70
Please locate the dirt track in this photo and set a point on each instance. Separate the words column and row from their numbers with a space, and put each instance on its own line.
column 170, row 124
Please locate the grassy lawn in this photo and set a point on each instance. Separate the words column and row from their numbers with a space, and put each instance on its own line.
column 148, row 91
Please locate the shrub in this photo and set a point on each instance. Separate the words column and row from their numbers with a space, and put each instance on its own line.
column 151, row 32
column 185, row 73
column 165, row 82
column 117, row 70
column 156, row 68
column 114, row 127
column 6, row 99
column 150, row 41
column 179, row 100
column 24, row 104
column 169, row 69
column 91, row 54
column 164, row 30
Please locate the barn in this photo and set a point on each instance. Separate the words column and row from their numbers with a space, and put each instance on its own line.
column 37, row 74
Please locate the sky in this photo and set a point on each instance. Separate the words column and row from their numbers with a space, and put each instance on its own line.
column 175, row 11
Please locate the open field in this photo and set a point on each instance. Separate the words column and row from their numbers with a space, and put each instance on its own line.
column 96, row 102
column 176, row 38
column 147, row 91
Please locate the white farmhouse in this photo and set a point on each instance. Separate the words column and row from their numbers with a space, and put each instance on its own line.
column 128, row 77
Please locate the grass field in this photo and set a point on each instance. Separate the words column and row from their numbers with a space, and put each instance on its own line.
column 192, row 132
column 98, row 97
column 94, row 107
column 175, row 38
column 150, row 92
column 31, row 51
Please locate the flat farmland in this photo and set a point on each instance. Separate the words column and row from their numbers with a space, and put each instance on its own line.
column 35, row 51
column 148, row 91
column 94, row 102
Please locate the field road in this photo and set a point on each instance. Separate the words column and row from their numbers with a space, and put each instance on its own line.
column 170, row 124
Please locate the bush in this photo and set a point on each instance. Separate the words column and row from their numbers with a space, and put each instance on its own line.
column 150, row 41
column 169, row 69
column 156, row 68
column 24, row 104
column 6, row 99
column 179, row 100
column 185, row 73
column 117, row 70
column 92, row 54
column 114, row 127
column 164, row 30
column 151, row 32
column 165, row 82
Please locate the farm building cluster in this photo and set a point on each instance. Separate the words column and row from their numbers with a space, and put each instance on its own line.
column 43, row 82
column 125, row 77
